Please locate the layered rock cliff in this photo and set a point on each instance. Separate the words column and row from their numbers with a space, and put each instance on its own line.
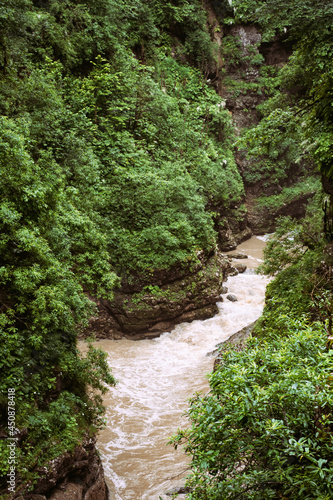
column 147, row 305
column 73, row 476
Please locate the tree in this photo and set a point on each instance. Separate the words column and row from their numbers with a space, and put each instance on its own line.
column 304, row 101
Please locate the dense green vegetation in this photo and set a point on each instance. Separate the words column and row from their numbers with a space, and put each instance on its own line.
column 265, row 428
column 117, row 157
column 296, row 127
column 113, row 149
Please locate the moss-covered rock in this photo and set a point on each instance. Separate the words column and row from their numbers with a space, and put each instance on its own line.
column 146, row 306
column 72, row 476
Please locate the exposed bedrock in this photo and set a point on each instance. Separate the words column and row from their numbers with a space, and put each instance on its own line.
column 147, row 305
column 243, row 106
column 232, row 230
column 72, row 476
column 262, row 220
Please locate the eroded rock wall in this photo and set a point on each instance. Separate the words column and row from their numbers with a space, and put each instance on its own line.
column 147, row 305
column 71, row 476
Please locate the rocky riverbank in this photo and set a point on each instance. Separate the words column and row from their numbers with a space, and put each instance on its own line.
column 236, row 341
column 72, row 476
column 146, row 306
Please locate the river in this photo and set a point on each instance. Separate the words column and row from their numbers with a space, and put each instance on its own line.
column 156, row 379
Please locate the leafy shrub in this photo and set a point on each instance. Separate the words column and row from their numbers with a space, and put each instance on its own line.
column 264, row 430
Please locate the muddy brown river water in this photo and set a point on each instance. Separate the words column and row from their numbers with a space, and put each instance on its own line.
column 156, row 379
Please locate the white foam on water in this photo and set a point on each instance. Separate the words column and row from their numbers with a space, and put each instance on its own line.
column 156, row 379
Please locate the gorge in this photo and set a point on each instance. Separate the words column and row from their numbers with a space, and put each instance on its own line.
column 141, row 142
column 156, row 378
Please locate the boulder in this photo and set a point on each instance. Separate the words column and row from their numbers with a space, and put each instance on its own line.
column 232, row 297
column 238, row 255
column 241, row 268
column 232, row 271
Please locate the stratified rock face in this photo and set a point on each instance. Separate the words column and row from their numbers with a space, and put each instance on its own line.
column 232, row 231
column 72, row 476
column 146, row 306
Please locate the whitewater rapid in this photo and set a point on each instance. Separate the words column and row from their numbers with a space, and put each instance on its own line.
column 156, row 379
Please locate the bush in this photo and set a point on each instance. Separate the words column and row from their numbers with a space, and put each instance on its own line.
column 264, row 430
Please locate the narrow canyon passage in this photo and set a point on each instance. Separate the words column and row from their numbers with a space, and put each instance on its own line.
column 156, row 379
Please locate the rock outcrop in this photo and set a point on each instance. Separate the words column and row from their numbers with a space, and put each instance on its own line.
column 72, row 476
column 242, row 89
column 262, row 220
column 236, row 341
column 232, row 230
column 147, row 305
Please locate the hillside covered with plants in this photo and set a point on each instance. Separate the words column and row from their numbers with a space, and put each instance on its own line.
column 113, row 149
column 118, row 164
column 265, row 428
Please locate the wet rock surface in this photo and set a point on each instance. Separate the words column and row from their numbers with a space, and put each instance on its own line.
column 232, row 231
column 241, row 268
column 237, row 255
column 145, row 307
column 72, row 476
column 232, row 271
column 232, row 297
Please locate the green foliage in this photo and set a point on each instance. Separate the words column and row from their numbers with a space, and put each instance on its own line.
column 112, row 151
column 288, row 195
column 142, row 149
column 297, row 120
column 293, row 239
column 42, row 302
column 276, row 144
column 157, row 179
column 281, row 16
column 264, row 429
column 302, row 284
